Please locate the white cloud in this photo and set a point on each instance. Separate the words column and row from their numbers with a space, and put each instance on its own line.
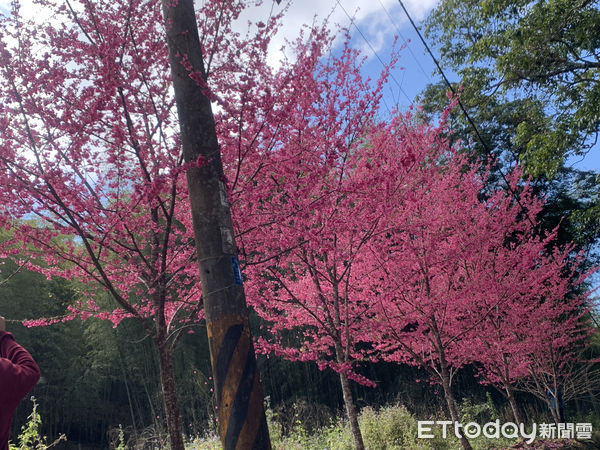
column 371, row 17
column 28, row 9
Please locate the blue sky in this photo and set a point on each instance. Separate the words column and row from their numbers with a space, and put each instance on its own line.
column 373, row 25
column 378, row 21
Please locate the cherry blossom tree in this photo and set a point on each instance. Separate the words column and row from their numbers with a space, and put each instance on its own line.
column 537, row 330
column 458, row 256
column 311, row 216
column 420, row 294
column 91, row 167
column 556, row 335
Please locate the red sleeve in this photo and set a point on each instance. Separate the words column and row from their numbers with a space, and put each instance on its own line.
column 18, row 371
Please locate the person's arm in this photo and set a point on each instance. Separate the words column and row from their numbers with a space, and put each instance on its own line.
column 18, row 371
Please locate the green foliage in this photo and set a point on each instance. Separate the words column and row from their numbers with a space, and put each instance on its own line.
column 388, row 428
column 391, row 427
column 478, row 412
column 335, row 436
column 93, row 375
column 544, row 51
column 121, row 443
column 275, row 430
column 30, row 437
column 529, row 74
column 297, row 430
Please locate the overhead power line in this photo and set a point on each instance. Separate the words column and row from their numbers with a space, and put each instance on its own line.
column 374, row 52
column 464, row 110
column 437, row 64
column 404, row 39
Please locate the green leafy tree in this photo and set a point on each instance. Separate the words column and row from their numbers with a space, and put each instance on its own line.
column 528, row 72
column 541, row 54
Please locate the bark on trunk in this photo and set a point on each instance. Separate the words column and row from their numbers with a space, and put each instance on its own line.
column 510, row 395
column 351, row 412
column 451, row 403
column 242, row 420
column 446, row 383
column 553, row 411
column 167, row 379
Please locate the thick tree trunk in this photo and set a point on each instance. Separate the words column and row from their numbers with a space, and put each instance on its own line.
column 167, row 380
column 451, row 403
column 510, row 395
column 351, row 412
column 242, row 420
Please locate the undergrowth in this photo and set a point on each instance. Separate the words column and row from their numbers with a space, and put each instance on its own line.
column 387, row 428
column 30, row 437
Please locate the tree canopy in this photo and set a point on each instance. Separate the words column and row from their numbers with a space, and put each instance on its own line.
column 362, row 240
column 542, row 55
column 528, row 72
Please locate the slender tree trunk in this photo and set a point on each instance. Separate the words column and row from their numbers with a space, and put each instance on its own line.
column 555, row 415
column 446, row 382
column 553, row 411
column 167, row 379
column 351, row 412
column 242, row 420
column 150, row 403
column 451, row 403
column 510, row 395
column 349, row 401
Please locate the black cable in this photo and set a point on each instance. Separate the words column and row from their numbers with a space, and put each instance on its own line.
column 485, row 146
column 374, row 52
column 463, row 109
column 405, row 40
